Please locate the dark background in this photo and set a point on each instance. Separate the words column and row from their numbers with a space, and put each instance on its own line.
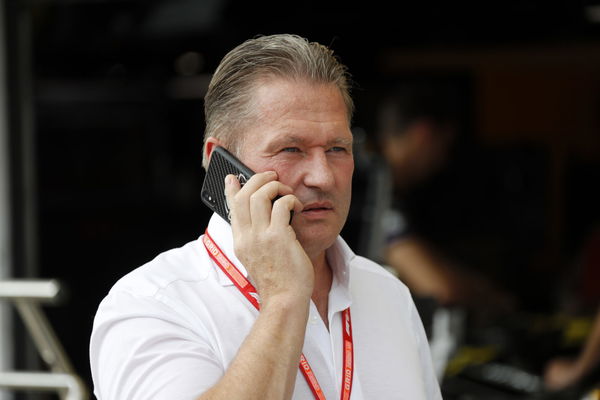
column 106, row 101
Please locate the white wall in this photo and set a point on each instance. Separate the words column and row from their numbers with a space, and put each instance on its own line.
column 5, row 242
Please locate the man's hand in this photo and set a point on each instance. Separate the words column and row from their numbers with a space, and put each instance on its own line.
column 265, row 242
column 267, row 362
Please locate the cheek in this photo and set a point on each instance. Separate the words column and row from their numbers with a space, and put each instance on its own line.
column 259, row 164
column 287, row 172
column 344, row 175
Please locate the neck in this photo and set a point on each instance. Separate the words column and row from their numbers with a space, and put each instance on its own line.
column 323, row 280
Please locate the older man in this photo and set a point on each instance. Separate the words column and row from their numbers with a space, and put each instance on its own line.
column 261, row 308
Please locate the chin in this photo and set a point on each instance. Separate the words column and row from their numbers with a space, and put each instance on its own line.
column 317, row 239
column 314, row 249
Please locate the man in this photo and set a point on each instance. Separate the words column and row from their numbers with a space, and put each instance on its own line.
column 418, row 128
column 327, row 323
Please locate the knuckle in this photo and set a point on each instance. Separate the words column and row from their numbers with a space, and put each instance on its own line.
column 254, row 197
column 237, row 200
column 271, row 238
column 287, row 200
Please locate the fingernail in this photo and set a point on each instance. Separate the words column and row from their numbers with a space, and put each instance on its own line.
column 228, row 179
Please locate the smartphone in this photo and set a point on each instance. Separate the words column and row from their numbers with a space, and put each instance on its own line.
column 222, row 163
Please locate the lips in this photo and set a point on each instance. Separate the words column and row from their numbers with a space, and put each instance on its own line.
column 317, row 207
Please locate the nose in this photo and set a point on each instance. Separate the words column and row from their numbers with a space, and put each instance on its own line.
column 318, row 171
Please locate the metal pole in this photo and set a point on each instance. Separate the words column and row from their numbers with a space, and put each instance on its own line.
column 27, row 295
column 6, row 329
column 68, row 386
column 43, row 336
column 41, row 291
column 27, row 156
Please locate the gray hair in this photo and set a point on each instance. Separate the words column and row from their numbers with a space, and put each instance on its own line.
column 228, row 102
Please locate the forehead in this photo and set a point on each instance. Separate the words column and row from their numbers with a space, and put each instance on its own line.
column 274, row 93
column 298, row 108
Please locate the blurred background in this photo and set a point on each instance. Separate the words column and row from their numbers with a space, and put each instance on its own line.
column 101, row 126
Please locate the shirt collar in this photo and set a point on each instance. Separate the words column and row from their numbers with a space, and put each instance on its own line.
column 339, row 255
column 221, row 234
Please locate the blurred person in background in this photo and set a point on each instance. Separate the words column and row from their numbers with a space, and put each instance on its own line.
column 418, row 129
column 563, row 372
column 582, row 297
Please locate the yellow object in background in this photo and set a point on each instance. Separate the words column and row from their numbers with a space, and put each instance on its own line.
column 593, row 395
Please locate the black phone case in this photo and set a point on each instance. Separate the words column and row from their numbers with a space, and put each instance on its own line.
column 222, row 163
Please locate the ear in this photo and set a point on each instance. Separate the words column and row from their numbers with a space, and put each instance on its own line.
column 211, row 143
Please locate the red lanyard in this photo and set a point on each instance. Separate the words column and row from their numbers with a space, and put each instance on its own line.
column 249, row 291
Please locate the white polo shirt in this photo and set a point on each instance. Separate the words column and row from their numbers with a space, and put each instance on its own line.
column 169, row 329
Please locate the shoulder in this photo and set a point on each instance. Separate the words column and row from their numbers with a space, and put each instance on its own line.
column 368, row 277
column 157, row 313
column 186, row 264
column 363, row 267
column 162, row 289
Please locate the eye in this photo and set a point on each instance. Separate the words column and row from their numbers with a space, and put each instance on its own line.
column 337, row 149
column 290, row 150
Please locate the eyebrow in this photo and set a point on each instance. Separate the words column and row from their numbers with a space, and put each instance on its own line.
column 343, row 141
column 287, row 140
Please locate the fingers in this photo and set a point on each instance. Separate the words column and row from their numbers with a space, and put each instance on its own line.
column 282, row 209
column 252, row 205
column 238, row 197
column 232, row 187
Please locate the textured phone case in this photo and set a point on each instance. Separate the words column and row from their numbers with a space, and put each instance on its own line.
column 222, row 163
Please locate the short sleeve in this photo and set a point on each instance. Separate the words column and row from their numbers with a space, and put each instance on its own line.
column 141, row 348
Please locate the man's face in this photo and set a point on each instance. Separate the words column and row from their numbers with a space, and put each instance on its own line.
column 302, row 133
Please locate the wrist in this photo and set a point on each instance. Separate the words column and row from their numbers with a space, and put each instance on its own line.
column 289, row 304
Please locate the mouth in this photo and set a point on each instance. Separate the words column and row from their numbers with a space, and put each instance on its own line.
column 317, row 208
